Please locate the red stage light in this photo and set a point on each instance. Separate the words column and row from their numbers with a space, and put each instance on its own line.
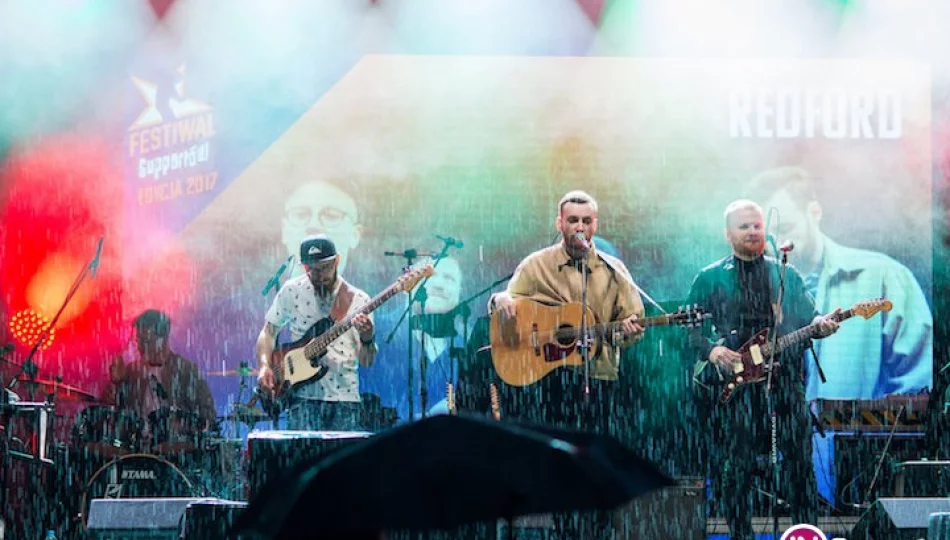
column 28, row 325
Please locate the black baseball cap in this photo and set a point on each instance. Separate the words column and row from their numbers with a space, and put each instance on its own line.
column 316, row 248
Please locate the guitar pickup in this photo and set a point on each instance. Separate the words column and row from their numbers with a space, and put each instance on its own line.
column 757, row 357
column 535, row 342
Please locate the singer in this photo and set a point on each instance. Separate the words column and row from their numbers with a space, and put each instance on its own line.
column 740, row 292
column 160, row 381
column 551, row 276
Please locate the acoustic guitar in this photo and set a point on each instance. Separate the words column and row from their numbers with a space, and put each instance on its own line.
column 543, row 338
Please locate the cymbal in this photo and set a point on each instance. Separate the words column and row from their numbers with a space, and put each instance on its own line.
column 64, row 392
column 239, row 372
column 243, row 413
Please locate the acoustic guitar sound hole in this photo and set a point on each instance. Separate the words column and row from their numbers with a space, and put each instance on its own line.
column 566, row 335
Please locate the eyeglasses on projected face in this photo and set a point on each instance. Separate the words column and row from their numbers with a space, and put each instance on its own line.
column 328, row 217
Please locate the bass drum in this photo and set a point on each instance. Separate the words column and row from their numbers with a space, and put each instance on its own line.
column 137, row 476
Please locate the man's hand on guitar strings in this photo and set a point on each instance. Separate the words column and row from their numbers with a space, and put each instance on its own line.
column 724, row 358
column 265, row 378
column 505, row 305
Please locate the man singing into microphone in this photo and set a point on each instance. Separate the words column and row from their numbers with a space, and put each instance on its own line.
column 553, row 276
column 740, row 292
column 160, row 380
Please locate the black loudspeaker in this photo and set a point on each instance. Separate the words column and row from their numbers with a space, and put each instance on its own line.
column 211, row 520
column 271, row 453
column 898, row 519
column 922, row 478
column 674, row 513
column 139, row 519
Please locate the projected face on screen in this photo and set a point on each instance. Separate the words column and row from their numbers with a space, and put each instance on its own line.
column 797, row 221
column 444, row 287
column 319, row 207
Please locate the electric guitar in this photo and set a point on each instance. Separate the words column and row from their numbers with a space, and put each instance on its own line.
column 753, row 366
column 543, row 338
column 302, row 361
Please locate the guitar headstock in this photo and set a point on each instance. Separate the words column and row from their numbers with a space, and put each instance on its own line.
column 689, row 316
column 870, row 308
column 412, row 278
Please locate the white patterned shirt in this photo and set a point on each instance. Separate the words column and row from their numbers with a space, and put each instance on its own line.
column 297, row 303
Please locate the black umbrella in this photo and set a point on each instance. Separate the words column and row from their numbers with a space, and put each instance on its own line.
column 447, row 471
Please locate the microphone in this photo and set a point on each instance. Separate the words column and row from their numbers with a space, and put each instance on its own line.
column 275, row 281
column 94, row 265
column 410, row 253
column 582, row 241
column 451, row 242
column 787, row 246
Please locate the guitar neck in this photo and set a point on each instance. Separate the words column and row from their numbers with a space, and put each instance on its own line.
column 807, row 332
column 606, row 329
column 343, row 326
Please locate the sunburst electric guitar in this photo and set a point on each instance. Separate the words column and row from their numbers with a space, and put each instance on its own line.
column 753, row 366
column 543, row 338
column 302, row 361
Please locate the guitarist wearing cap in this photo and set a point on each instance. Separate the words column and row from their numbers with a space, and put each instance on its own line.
column 331, row 401
column 740, row 292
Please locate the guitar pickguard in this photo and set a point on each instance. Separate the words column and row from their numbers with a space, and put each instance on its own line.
column 555, row 353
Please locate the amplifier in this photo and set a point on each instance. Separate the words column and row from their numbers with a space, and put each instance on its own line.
column 673, row 513
column 922, row 478
column 211, row 519
column 271, row 453
column 898, row 519
column 144, row 518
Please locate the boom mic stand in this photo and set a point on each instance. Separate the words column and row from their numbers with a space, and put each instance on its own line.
column 410, row 255
column 421, row 297
column 30, row 369
column 272, row 283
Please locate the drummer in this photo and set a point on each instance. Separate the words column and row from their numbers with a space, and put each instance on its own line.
column 160, row 380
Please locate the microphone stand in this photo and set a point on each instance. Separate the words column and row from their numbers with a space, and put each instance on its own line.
column 420, row 295
column 585, row 332
column 770, row 398
column 30, row 369
column 274, row 283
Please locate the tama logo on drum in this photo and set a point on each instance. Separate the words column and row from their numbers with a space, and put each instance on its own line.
column 132, row 474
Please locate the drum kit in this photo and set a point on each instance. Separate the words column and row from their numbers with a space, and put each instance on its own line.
column 114, row 453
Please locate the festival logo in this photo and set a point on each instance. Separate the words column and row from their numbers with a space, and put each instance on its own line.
column 170, row 144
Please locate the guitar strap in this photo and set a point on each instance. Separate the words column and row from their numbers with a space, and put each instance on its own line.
column 344, row 298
